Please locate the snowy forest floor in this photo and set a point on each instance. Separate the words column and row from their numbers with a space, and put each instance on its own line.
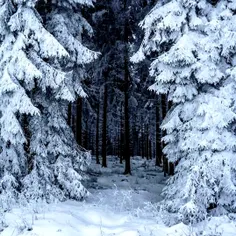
column 118, row 206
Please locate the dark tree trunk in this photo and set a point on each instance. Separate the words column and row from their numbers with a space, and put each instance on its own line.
column 142, row 143
column 171, row 164
column 126, row 111
column 150, row 149
column 104, row 126
column 147, row 142
column 86, row 131
column 171, row 168
column 79, row 109
column 69, row 114
column 118, row 145
column 158, row 134
column 115, row 149
column 127, row 136
column 127, row 141
column 164, row 106
column 132, row 141
column 90, row 140
column 126, row 94
column 121, row 139
column 97, row 136
column 73, row 124
column 27, row 133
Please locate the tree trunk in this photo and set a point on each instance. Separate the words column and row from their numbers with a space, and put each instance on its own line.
column 142, row 143
column 164, row 106
column 127, row 140
column 158, row 134
column 104, row 127
column 73, row 124
column 171, row 164
column 150, row 149
column 69, row 113
column 97, row 135
column 79, row 109
column 121, row 140
column 118, row 144
column 127, row 127
column 27, row 133
column 126, row 94
column 171, row 168
column 147, row 142
column 85, row 141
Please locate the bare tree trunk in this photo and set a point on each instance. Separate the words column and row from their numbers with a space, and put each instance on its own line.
column 97, row 135
column 171, row 164
column 27, row 133
column 158, row 134
column 126, row 111
column 150, row 149
column 171, row 168
column 121, row 140
column 164, row 112
column 90, row 140
column 69, row 113
column 73, row 123
column 142, row 140
column 104, row 127
column 127, row 132
column 79, row 109
column 126, row 94
column 86, row 135
column 147, row 142
column 118, row 144
column 115, row 145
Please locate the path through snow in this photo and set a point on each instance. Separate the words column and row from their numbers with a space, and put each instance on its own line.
column 111, row 209
column 118, row 206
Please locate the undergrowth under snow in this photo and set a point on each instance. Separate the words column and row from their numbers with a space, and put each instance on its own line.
column 118, row 206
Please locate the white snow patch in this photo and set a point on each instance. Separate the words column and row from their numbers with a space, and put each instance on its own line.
column 118, row 206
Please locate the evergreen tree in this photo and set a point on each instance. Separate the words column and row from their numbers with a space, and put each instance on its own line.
column 17, row 76
column 186, row 38
column 39, row 154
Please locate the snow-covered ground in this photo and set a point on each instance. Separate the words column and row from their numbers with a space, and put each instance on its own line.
column 118, row 206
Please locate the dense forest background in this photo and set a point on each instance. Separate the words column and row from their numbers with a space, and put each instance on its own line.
column 120, row 116
column 148, row 81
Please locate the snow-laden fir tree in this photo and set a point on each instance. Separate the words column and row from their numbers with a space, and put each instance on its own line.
column 186, row 38
column 39, row 156
column 64, row 158
column 16, row 71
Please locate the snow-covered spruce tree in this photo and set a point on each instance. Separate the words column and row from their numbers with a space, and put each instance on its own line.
column 41, row 158
column 16, row 73
column 187, row 37
column 65, row 160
